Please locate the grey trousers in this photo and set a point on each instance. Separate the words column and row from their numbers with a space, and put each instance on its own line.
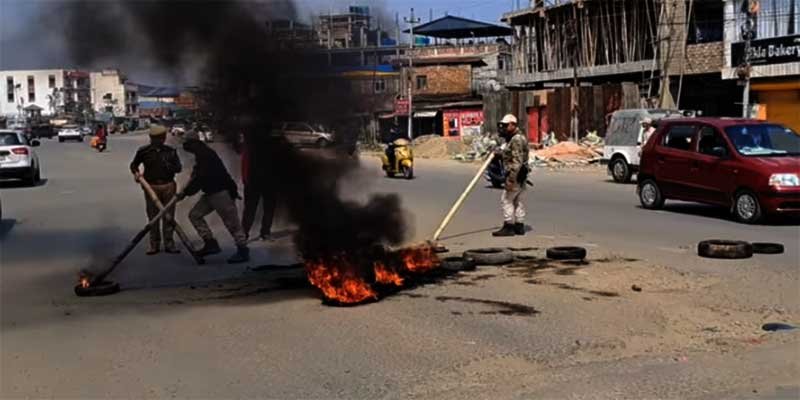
column 225, row 206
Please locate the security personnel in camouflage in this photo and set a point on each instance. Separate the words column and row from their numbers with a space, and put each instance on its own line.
column 515, row 160
column 161, row 164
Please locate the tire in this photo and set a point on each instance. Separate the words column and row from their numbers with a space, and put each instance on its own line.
column 322, row 143
column 30, row 179
column 650, row 195
column 566, row 253
column 455, row 264
column 767, row 248
column 746, row 207
column 497, row 183
column 490, row 256
column 620, row 170
column 408, row 172
column 61, row 140
column 389, row 173
column 101, row 289
column 725, row 249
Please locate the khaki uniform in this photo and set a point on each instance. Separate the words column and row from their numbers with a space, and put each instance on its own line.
column 515, row 156
column 165, row 193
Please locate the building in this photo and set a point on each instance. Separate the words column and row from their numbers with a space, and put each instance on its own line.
column 447, row 79
column 774, row 57
column 40, row 88
column 577, row 61
column 344, row 30
column 113, row 94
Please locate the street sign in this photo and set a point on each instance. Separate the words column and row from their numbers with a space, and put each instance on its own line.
column 401, row 107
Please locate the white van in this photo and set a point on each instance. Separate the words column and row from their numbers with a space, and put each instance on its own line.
column 624, row 139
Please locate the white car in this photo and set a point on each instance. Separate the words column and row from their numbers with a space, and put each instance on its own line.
column 70, row 132
column 18, row 160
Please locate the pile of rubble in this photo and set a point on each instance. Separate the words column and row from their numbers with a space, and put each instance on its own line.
column 434, row 146
column 569, row 154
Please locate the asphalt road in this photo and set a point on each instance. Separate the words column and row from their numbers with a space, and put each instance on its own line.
column 217, row 331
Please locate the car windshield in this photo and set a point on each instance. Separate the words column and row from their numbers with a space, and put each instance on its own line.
column 764, row 140
column 9, row 139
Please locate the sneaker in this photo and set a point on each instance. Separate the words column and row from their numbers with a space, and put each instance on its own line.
column 171, row 249
column 153, row 249
column 505, row 231
column 519, row 229
column 266, row 237
column 242, row 255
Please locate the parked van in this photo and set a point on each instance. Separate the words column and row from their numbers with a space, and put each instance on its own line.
column 624, row 139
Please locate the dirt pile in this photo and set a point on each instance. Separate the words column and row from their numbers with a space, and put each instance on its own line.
column 567, row 153
column 434, row 146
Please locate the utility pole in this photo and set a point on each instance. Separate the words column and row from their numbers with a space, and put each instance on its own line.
column 411, row 21
column 745, row 69
column 573, row 40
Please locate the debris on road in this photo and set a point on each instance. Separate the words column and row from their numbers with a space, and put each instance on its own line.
column 767, row 248
column 490, row 256
column 566, row 154
column 777, row 326
column 434, row 146
column 566, row 253
column 725, row 249
column 636, row 288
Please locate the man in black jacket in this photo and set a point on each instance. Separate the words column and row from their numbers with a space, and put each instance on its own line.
column 161, row 163
column 219, row 194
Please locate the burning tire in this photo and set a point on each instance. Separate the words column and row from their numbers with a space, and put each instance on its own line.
column 725, row 249
column 456, row 264
column 767, row 248
column 490, row 256
column 566, row 253
column 104, row 288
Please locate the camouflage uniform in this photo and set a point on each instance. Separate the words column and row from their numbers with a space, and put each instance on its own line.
column 515, row 156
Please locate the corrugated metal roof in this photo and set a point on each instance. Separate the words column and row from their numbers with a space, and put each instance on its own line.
column 451, row 27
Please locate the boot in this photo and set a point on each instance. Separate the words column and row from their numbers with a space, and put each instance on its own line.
column 242, row 255
column 506, row 230
column 171, row 249
column 210, row 247
column 154, row 249
column 519, row 229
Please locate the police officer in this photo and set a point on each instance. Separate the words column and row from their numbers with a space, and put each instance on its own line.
column 161, row 163
column 220, row 193
column 515, row 159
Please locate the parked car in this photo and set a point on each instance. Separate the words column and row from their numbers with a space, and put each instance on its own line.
column 624, row 139
column 43, row 131
column 751, row 167
column 178, row 129
column 18, row 160
column 304, row 134
column 70, row 132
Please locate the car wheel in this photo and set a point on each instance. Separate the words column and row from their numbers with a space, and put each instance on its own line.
column 650, row 195
column 30, row 178
column 37, row 177
column 725, row 249
column 746, row 207
column 620, row 171
column 490, row 256
column 61, row 140
column 322, row 143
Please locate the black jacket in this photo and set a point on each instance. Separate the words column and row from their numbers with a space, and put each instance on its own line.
column 209, row 174
column 161, row 163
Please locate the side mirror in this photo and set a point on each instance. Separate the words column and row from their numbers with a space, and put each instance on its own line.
column 35, row 143
column 720, row 152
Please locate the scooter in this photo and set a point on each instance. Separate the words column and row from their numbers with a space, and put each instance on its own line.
column 99, row 145
column 403, row 162
column 496, row 172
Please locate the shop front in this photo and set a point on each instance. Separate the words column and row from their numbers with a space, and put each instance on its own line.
column 462, row 122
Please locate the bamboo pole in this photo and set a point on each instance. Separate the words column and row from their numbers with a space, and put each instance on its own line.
column 181, row 233
column 461, row 198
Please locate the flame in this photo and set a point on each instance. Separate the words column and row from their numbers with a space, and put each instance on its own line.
column 85, row 282
column 387, row 276
column 338, row 281
column 420, row 258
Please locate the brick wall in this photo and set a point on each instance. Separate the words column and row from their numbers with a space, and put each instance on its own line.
column 444, row 79
column 704, row 58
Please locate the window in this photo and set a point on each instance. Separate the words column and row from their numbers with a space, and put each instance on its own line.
column 31, row 89
column 501, row 63
column 680, row 137
column 764, row 140
column 294, row 126
column 710, row 140
column 9, row 139
column 422, row 82
column 380, row 86
column 10, row 89
column 51, row 81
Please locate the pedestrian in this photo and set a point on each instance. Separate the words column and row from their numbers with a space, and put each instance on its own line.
column 161, row 164
column 515, row 159
column 219, row 195
column 647, row 130
column 258, row 187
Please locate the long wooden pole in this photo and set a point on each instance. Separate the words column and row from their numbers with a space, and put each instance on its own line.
column 461, row 198
column 181, row 233
column 135, row 241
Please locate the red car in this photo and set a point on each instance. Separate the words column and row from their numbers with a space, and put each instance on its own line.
column 749, row 166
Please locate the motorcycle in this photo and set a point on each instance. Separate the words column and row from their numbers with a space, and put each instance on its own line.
column 403, row 162
column 496, row 172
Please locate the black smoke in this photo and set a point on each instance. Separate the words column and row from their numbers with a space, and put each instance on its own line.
column 251, row 78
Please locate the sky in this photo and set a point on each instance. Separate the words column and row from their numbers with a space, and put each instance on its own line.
column 25, row 43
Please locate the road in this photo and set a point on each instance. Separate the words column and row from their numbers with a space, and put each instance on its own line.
column 542, row 330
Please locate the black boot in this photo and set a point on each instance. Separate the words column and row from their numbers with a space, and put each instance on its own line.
column 242, row 255
column 506, row 230
column 210, row 247
column 519, row 229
